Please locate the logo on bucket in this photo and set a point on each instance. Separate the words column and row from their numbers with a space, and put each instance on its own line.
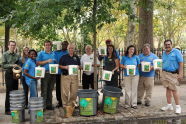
column 86, row 106
column 110, row 104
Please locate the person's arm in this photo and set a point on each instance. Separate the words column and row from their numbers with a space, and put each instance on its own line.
column 61, row 63
column 180, row 71
column 28, row 75
column 44, row 62
column 117, row 65
column 5, row 64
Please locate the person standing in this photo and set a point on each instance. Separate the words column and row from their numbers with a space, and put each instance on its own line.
column 45, row 58
column 111, row 63
column 9, row 60
column 29, row 72
column 146, row 81
column 88, row 76
column 59, row 54
column 22, row 61
column 130, row 82
column 69, row 83
column 171, row 75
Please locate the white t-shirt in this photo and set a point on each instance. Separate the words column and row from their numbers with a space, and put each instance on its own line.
column 88, row 58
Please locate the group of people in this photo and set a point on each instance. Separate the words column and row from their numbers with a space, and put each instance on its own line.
column 137, row 87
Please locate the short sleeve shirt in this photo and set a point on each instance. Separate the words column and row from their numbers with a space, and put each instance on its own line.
column 42, row 56
column 30, row 66
column 134, row 60
column 68, row 60
column 171, row 61
column 58, row 55
column 148, row 58
column 88, row 58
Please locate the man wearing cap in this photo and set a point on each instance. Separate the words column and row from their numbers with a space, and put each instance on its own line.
column 171, row 75
column 45, row 58
column 59, row 54
column 9, row 60
column 146, row 81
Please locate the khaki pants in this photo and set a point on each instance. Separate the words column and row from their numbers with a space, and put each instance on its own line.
column 145, row 85
column 169, row 80
column 69, row 87
column 131, row 85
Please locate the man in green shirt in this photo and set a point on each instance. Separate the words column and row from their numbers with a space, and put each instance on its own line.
column 9, row 60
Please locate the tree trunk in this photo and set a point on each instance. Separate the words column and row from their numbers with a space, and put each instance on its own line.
column 94, row 41
column 146, row 23
column 7, row 35
column 131, row 25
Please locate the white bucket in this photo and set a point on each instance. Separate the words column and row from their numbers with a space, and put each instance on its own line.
column 87, row 66
column 145, row 66
column 103, row 51
column 107, row 75
column 157, row 64
column 131, row 70
column 39, row 72
column 73, row 70
column 53, row 68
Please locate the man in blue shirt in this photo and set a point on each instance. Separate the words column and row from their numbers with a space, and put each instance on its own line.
column 45, row 58
column 59, row 54
column 171, row 75
column 146, row 81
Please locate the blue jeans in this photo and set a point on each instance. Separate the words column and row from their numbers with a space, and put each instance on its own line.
column 33, row 88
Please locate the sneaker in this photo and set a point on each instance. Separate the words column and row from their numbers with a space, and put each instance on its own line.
column 178, row 110
column 167, row 107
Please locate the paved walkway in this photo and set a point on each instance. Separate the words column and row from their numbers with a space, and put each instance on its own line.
column 152, row 112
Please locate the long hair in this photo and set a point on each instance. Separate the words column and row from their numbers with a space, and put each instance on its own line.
column 23, row 55
column 127, row 51
column 113, row 52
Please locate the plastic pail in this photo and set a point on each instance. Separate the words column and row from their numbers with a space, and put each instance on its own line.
column 88, row 100
column 17, row 104
column 36, row 109
column 111, row 97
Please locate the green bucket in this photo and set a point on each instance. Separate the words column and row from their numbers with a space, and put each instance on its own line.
column 111, row 97
column 88, row 100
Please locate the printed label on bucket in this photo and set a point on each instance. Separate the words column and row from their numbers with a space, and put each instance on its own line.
column 39, row 116
column 15, row 116
column 159, row 64
column 146, row 67
column 86, row 106
column 53, row 70
column 39, row 72
column 110, row 104
column 131, row 71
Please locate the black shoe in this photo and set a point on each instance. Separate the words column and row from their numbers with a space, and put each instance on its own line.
column 139, row 103
column 147, row 104
column 59, row 105
column 7, row 113
column 49, row 108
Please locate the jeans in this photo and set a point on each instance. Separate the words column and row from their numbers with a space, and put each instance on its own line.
column 25, row 88
column 33, row 88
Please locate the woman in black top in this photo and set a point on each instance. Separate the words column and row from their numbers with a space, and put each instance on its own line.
column 111, row 63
